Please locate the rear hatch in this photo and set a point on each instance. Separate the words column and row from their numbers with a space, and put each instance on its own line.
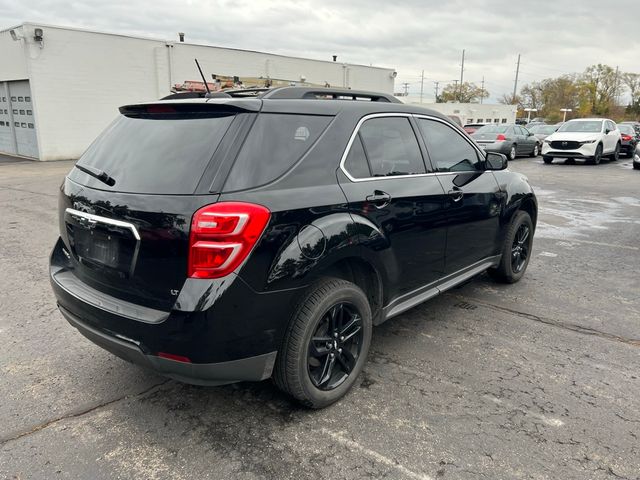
column 126, row 207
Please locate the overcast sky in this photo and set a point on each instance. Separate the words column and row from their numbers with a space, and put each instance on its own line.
column 553, row 36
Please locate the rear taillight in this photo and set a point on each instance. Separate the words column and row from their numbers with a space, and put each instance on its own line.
column 222, row 235
column 500, row 138
column 626, row 138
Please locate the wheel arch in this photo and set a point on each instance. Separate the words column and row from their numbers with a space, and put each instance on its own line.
column 363, row 274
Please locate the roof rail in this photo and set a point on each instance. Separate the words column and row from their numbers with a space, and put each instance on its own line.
column 321, row 93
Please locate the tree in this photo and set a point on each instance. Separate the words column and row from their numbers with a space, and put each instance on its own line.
column 463, row 93
column 600, row 85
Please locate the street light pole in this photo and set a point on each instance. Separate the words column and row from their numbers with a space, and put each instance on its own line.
column 529, row 115
column 565, row 110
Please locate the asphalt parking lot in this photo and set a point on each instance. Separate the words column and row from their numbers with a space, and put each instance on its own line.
column 538, row 380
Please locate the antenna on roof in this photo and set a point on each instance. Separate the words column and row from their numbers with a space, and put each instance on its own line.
column 206, row 85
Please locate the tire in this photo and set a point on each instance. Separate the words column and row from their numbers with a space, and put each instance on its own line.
column 298, row 371
column 595, row 160
column 615, row 156
column 535, row 151
column 512, row 268
column 547, row 160
column 513, row 153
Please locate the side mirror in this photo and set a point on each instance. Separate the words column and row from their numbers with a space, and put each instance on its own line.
column 530, row 134
column 607, row 131
column 496, row 161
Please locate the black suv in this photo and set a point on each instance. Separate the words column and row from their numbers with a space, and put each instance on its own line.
column 261, row 234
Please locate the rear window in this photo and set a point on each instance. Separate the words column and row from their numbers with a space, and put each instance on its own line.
column 275, row 143
column 492, row 129
column 628, row 129
column 154, row 155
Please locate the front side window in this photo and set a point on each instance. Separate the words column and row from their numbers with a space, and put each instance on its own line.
column 449, row 152
column 391, row 147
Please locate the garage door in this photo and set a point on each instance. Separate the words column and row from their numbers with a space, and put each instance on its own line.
column 19, row 129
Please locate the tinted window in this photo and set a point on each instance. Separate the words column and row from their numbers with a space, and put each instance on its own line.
column 145, row 155
column 356, row 162
column 274, row 144
column 391, row 147
column 448, row 150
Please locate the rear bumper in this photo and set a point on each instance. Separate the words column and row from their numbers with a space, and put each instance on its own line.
column 499, row 147
column 228, row 337
column 254, row 368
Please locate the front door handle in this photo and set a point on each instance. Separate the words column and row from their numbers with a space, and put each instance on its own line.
column 379, row 198
column 456, row 194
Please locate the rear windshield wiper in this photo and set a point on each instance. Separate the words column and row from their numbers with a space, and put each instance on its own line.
column 96, row 173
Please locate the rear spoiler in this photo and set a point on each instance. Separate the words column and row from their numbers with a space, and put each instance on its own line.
column 182, row 109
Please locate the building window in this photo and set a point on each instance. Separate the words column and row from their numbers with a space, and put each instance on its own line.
column 1, row 123
column 488, row 120
column 15, row 111
column 23, row 125
column 27, row 99
column 29, row 112
column 16, row 124
column 21, row 99
column 4, row 99
column 21, row 112
column 13, row 99
column 504, row 120
column 31, row 125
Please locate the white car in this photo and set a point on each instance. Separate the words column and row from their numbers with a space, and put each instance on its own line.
column 587, row 138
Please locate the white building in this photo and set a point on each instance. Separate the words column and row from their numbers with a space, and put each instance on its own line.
column 474, row 112
column 60, row 87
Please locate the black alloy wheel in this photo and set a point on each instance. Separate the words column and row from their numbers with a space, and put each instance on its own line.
column 335, row 346
column 326, row 343
column 516, row 250
column 520, row 248
column 595, row 160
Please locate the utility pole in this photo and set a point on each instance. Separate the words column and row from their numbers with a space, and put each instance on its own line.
column 515, row 84
column 455, row 89
column 405, row 85
column 462, row 70
column 482, row 91
column 421, row 85
column 616, row 94
column 437, row 84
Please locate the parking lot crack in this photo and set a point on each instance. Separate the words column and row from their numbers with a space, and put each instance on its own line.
column 76, row 414
column 556, row 323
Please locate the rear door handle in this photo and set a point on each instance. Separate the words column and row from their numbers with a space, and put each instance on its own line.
column 379, row 198
column 456, row 194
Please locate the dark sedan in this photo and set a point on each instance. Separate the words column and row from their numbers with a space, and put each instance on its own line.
column 629, row 139
column 509, row 139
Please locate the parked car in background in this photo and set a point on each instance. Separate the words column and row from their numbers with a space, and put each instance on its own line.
column 509, row 139
column 629, row 139
column 636, row 127
column 586, row 138
column 470, row 128
column 534, row 124
column 294, row 222
column 543, row 131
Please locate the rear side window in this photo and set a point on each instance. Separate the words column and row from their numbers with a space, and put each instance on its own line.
column 391, row 147
column 153, row 155
column 356, row 162
column 275, row 143
column 448, row 150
